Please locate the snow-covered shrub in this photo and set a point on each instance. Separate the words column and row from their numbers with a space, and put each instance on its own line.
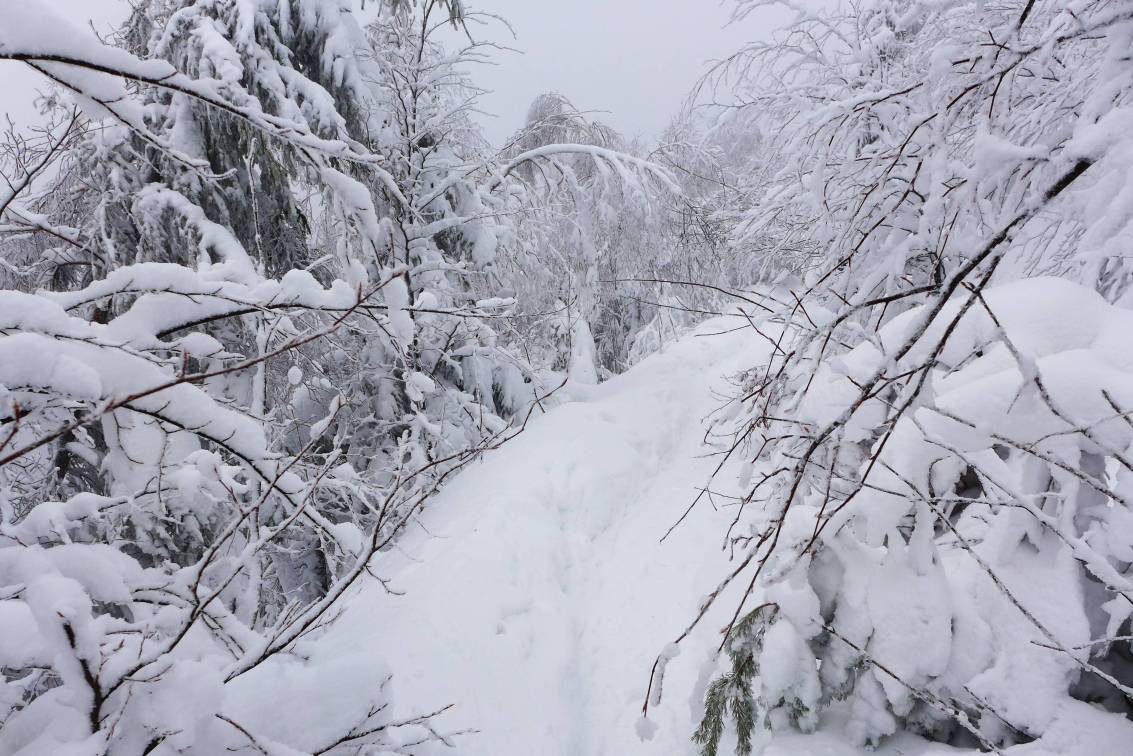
column 937, row 496
column 134, row 611
column 982, row 555
column 958, row 558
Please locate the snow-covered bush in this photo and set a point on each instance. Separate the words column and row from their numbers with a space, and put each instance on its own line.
column 135, row 609
column 961, row 560
column 937, row 498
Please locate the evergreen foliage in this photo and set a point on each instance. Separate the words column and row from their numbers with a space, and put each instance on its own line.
column 731, row 692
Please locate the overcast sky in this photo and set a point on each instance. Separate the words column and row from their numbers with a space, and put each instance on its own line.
column 633, row 59
column 18, row 83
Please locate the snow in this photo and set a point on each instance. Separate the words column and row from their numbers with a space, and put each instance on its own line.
column 22, row 644
column 327, row 685
column 1079, row 729
column 537, row 592
column 971, row 579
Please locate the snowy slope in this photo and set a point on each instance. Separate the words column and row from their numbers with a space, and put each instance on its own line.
column 537, row 592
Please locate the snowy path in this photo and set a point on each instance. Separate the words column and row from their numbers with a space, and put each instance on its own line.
column 539, row 595
column 542, row 594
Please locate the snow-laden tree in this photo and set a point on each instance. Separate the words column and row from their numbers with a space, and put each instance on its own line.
column 686, row 269
column 594, row 228
column 284, row 138
column 937, row 495
column 182, row 498
column 451, row 227
column 626, row 269
column 222, row 158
